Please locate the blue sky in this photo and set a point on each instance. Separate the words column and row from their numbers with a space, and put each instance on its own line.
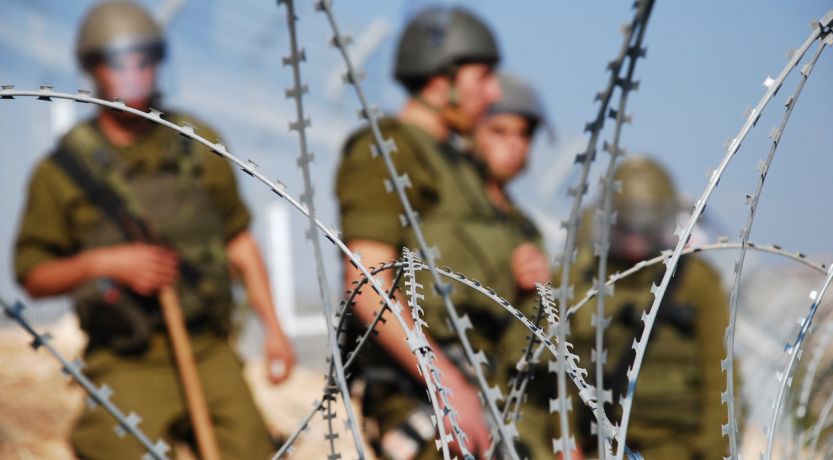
column 705, row 64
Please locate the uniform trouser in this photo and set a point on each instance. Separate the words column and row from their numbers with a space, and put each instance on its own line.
column 148, row 384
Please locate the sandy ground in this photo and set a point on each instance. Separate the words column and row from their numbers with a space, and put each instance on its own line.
column 38, row 404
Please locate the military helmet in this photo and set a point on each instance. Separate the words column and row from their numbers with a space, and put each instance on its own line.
column 648, row 200
column 115, row 26
column 439, row 38
column 520, row 98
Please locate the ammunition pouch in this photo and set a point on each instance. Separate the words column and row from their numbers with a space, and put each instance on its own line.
column 115, row 318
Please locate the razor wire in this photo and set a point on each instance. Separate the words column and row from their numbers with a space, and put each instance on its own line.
column 684, row 234
column 413, row 289
column 288, row 446
column 307, row 208
column 794, row 351
column 398, row 265
column 776, row 250
column 576, row 372
column 606, row 218
column 770, row 249
column 631, row 49
column 825, row 338
column 397, row 183
column 730, row 429
column 798, row 257
column 127, row 424
column 45, row 93
column 305, row 157
column 342, row 313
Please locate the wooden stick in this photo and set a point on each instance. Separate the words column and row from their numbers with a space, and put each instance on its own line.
column 194, row 396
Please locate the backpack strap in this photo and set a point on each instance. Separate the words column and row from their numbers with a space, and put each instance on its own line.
column 103, row 197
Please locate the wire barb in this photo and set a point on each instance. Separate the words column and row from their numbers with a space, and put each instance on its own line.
column 127, row 424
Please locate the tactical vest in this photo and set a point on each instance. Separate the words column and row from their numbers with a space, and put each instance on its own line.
column 472, row 237
column 172, row 199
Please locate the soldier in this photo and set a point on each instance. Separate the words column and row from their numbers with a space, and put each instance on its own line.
column 74, row 237
column 445, row 61
column 502, row 142
column 677, row 413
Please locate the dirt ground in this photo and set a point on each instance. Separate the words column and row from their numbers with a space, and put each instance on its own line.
column 38, row 404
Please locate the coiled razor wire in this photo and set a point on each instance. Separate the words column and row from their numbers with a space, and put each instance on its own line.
column 336, row 379
column 794, row 351
column 631, row 49
column 398, row 183
column 730, row 429
column 127, row 424
column 798, row 257
column 658, row 291
column 769, row 249
column 575, row 371
column 420, row 348
column 606, row 218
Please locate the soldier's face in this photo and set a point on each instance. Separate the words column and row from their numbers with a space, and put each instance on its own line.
column 635, row 245
column 129, row 76
column 502, row 143
column 477, row 88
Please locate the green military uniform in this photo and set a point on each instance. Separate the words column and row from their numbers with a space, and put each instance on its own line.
column 677, row 413
column 472, row 236
column 189, row 196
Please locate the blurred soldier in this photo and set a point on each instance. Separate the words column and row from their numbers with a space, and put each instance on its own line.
column 445, row 61
column 677, row 413
column 502, row 143
column 74, row 237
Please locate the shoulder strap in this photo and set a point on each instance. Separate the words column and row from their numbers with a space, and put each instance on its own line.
column 101, row 195
column 133, row 227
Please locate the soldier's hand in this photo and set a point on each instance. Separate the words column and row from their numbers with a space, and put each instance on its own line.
column 466, row 401
column 143, row 268
column 529, row 266
column 280, row 356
